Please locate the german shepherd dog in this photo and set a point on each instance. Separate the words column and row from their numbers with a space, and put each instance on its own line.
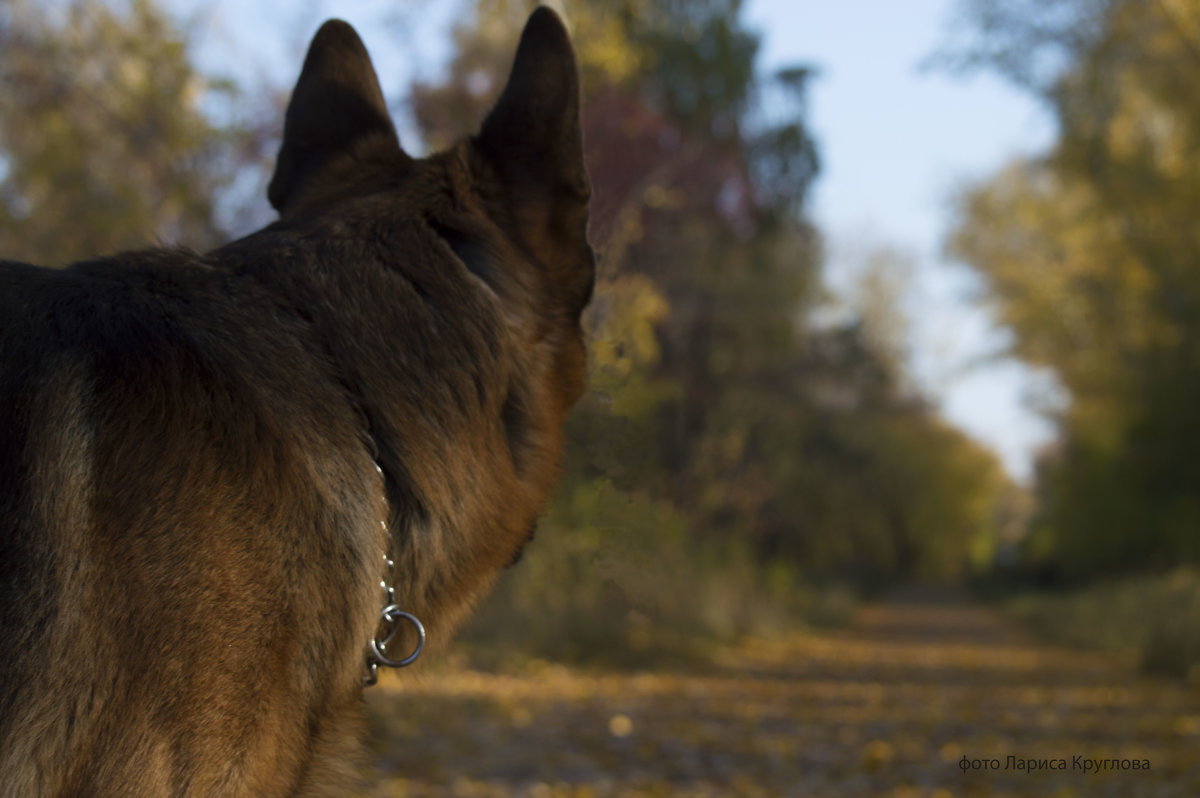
column 204, row 459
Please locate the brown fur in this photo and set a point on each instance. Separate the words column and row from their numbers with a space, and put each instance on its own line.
column 190, row 539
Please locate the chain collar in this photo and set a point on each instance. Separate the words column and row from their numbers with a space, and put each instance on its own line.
column 391, row 616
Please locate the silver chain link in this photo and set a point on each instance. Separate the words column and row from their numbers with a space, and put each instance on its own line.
column 391, row 615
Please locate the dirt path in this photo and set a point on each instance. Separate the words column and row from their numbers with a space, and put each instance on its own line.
column 888, row 707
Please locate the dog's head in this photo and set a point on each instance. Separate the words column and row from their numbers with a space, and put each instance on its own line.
column 510, row 203
column 523, row 171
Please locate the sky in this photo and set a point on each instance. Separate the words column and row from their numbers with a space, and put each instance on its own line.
column 896, row 143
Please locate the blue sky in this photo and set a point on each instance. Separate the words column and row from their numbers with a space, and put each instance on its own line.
column 895, row 143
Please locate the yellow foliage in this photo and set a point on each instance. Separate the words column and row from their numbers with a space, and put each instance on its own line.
column 624, row 342
column 1064, row 275
column 600, row 42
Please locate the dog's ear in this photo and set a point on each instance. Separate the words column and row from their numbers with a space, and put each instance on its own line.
column 532, row 140
column 337, row 102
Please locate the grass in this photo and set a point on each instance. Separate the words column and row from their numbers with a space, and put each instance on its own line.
column 1153, row 619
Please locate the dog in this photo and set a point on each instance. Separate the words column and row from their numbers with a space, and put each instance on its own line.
column 206, row 460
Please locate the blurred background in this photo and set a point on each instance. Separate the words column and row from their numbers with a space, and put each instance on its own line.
column 888, row 294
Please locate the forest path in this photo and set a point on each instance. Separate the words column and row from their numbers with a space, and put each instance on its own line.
column 886, row 707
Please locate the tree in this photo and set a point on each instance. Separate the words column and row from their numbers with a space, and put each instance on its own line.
column 719, row 394
column 1091, row 255
column 104, row 140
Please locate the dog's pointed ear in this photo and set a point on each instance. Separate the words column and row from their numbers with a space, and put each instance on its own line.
column 532, row 136
column 337, row 102
column 533, row 141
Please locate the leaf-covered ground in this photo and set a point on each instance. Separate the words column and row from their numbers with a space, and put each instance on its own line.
column 888, row 707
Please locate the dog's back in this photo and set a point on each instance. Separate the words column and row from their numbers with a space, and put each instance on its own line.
column 192, row 527
column 169, row 496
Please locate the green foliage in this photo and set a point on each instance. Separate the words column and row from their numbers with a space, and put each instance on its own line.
column 104, row 143
column 1090, row 256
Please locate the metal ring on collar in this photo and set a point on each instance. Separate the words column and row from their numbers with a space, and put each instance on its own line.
column 390, row 615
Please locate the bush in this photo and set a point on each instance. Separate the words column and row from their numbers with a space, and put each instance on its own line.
column 613, row 579
column 1156, row 618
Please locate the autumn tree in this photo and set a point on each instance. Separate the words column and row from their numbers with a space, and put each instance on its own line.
column 106, row 140
column 1091, row 255
column 714, row 389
